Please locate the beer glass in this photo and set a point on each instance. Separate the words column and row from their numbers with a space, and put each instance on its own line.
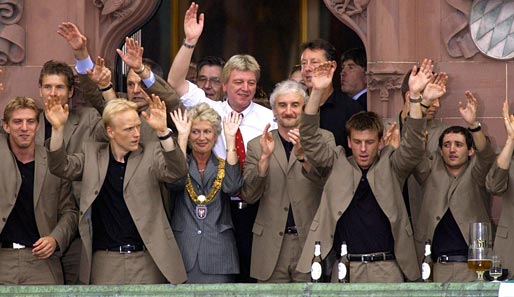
column 479, row 252
column 496, row 268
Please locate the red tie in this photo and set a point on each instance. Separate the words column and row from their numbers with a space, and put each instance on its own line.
column 240, row 148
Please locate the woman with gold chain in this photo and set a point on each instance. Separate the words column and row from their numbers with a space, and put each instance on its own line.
column 200, row 203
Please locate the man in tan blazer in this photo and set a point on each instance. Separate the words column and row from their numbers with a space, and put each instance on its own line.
column 56, row 81
column 454, row 194
column 497, row 183
column 123, row 225
column 39, row 215
column 362, row 201
column 273, row 174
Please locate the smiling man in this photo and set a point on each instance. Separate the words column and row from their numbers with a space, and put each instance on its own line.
column 39, row 207
column 288, row 199
column 239, row 80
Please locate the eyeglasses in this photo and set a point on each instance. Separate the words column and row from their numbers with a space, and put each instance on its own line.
column 203, row 80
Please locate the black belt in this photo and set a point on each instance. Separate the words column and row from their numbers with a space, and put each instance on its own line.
column 127, row 248
column 448, row 259
column 12, row 245
column 239, row 204
column 291, row 230
column 373, row 257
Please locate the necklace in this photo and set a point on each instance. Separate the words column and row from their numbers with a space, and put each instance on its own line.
column 216, row 186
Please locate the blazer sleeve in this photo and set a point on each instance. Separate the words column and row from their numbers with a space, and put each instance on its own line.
column 91, row 93
column 233, row 181
column 66, row 166
column 482, row 164
column 169, row 166
column 497, row 180
column 67, row 217
column 167, row 94
column 320, row 154
column 254, row 185
column 412, row 148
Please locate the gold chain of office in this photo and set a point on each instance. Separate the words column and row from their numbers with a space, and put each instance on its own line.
column 216, row 186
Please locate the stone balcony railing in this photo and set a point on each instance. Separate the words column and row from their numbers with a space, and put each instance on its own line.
column 299, row 289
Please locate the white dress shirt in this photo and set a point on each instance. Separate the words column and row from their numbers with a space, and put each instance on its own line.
column 255, row 117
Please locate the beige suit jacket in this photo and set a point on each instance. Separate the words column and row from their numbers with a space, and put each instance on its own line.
column 465, row 195
column 54, row 208
column 146, row 169
column 386, row 177
column 283, row 186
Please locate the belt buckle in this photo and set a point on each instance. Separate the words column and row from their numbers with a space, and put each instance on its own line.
column 443, row 259
column 364, row 257
column 127, row 248
column 17, row 246
column 241, row 205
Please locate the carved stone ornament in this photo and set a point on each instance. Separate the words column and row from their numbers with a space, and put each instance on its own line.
column 492, row 27
column 455, row 30
column 384, row 83
column 352, row 13
column 12, row 35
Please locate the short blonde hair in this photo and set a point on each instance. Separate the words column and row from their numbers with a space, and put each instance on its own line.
column 20, row 103
column 114, row 107
column 204, row 112
column 241, row 63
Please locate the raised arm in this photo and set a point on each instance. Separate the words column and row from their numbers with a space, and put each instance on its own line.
column 505, row 156
column 156, row 119
column 183, row 125
column 468, row 113
column 321, row 80
column 435, row 89
column 57, row 115
column 101, row 75
column 418, row 80
column 193, row 27
column 230, row 125
column 75, row 39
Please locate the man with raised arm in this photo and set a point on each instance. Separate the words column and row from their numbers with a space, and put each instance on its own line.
column 274, row 175
column 367, row 210
column 454, row 194
column 39, row 214
column 125, row 232
column 239, row 82
column 95, row 79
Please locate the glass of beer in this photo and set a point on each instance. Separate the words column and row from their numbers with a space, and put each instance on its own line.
column 496, row 268
column 480, row 248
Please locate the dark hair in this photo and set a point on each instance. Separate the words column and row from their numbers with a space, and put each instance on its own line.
column 457, row 130
column 405, row 84
column 295, row 68
column 156, row 68
column 321, row 44
column 57, row 68
column 365, row 120
column 358, row 55
column 209, row 61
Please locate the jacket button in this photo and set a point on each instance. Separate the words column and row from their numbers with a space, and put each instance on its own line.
column 281, row 233
column 339, row 213
column 438, row 218
column 96, row 192
column 81, row 212
column 286, row 208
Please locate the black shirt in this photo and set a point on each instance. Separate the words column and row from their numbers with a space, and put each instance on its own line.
column 288, row 147
column 364, row 226
column 448, row 239
column 21, row 224
column 112, row 223
column 334, row 114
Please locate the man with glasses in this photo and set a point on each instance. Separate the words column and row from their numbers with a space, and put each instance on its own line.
column 208, row 77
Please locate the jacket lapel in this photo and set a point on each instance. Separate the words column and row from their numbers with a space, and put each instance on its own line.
column 39, row 173
column 132, row 164
column 279, row 152
column 69, row 128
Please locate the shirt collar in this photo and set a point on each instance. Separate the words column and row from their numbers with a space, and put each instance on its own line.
column 359, row 94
